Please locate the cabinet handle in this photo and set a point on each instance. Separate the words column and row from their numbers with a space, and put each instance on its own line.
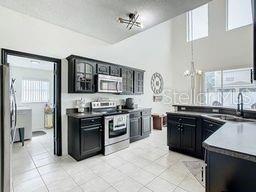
column 210, row 125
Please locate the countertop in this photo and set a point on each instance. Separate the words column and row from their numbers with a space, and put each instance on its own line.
column 236, row 139
column 99, row 114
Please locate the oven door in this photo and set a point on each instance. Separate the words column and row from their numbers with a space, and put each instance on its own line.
column 116, row 132
column 109, row 84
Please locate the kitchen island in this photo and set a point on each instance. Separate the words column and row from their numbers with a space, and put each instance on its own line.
column 229, row 149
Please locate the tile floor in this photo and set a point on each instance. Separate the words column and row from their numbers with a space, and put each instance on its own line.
column 146, row 166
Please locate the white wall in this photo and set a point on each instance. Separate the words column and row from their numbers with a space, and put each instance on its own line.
column 19, row 74
column 220, row 50
column 150, row 50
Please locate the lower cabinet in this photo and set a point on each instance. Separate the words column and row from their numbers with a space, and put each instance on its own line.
column 85, row 137
column 140, row 124
column 182, row 134
column 187, row 133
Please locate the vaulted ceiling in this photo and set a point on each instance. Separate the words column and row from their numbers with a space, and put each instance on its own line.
column 98, row 18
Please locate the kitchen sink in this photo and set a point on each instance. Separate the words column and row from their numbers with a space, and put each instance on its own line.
column 231, row 118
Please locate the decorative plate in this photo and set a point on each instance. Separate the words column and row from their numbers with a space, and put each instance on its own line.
column 157, row 83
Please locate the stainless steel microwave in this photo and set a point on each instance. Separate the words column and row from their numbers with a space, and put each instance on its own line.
column 109, row 84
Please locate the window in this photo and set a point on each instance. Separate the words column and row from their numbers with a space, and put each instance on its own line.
column 222, row 87
column 197, row 23
column 35, row 91
column 239, row 13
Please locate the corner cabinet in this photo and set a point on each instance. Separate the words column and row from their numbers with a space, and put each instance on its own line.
column 182, row 133
column 81, row 75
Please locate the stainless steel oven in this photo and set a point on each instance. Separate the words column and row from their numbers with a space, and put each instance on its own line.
column 109, row 84
column 117, row 133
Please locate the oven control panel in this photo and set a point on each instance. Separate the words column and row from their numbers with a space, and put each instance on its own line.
column 100, row 105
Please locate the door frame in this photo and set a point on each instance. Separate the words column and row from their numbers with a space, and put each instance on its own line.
column 57, row 91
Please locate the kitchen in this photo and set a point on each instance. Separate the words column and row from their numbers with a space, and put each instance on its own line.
column 147, row 164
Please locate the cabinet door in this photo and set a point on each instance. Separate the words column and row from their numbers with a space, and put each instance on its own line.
column 91, row 140
column 115, row 70
column 135, row 127
column 138, row 82
column 146, row 124
column 173, row 134
column 188, row 137
column 127, row 76
column 103, row 68
column 84, row 76
column 207, row 133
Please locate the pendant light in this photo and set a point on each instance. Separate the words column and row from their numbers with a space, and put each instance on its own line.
column 192, row 73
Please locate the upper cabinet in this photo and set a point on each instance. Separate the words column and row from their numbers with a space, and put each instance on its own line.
column 127, row 75
column 138, row 82
column 103, row 68
column 115, row 70
column 82, row 75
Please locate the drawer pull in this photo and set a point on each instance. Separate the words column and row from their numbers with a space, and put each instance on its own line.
column 210, row 125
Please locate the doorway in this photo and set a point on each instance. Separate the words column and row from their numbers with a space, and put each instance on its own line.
column 30, row 112
column 33, row 62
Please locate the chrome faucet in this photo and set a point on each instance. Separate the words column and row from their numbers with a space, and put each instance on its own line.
column 240, row 105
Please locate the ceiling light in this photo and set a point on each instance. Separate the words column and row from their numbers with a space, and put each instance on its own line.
column 131, row 21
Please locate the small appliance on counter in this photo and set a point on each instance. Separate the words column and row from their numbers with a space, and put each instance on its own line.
column 80, row 104
column 129, row 104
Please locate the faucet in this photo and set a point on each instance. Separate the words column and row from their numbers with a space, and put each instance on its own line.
column 240, row 105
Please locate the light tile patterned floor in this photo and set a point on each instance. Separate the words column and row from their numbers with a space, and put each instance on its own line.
column 146, row 166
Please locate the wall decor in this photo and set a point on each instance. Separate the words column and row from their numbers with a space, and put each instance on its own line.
column 157, row 98
column 157, row 83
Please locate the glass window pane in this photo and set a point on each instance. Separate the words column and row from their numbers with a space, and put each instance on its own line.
column 239, row 13
column 197, row 23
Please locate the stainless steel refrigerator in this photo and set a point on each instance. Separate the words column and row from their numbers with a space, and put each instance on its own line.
column 5, row 128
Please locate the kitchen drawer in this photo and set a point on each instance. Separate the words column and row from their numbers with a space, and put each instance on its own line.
column 91, row 121
column 182, row 119
column 135, row 114
column 211, row 125
column 146, row 112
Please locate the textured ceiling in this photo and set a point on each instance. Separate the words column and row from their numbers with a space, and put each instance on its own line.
column 98, row 18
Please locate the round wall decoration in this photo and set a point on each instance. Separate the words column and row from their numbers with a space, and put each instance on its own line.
column 157, row 83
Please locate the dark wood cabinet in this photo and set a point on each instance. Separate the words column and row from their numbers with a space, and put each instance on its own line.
column 187, row 133
column 81, row 76
column 229, row 174
column 135, row 128
column 103, row 68
column 127, row 76
column 140, row 124
column 115, row 70
column 187, row 139
column 138, row 82
column 182, row 133
column 85, row 137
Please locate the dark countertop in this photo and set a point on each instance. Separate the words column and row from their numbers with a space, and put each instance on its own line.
column 88, row 114
column 84, row 115
column 237, row 139
column 137, row 109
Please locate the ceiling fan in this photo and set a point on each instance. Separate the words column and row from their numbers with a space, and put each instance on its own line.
column 131, row 21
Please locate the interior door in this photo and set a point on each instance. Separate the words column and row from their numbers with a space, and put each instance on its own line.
column 4, row 129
